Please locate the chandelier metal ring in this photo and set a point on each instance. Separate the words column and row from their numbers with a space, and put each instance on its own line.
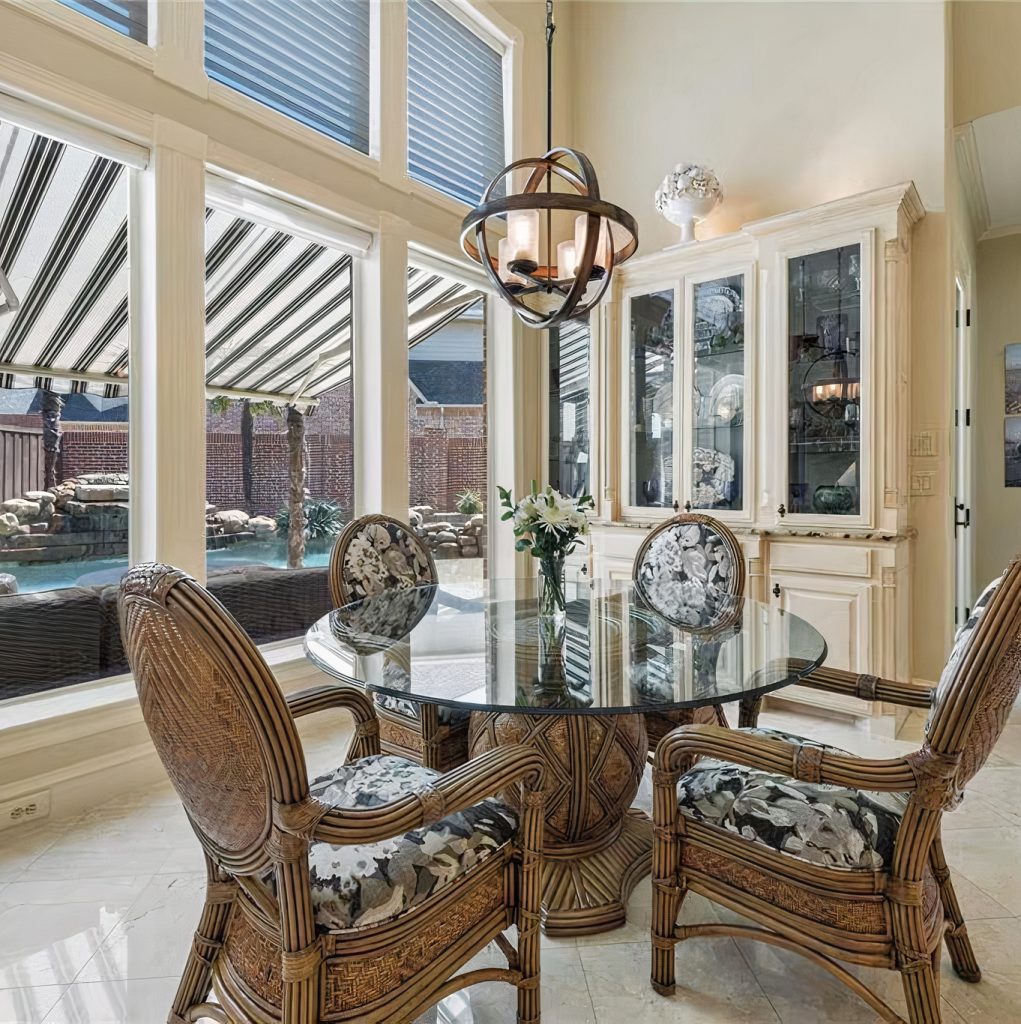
column 546, row 277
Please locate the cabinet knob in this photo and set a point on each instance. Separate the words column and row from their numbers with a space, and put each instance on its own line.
column 776, row 590
column 687, row 506
column 584, row 570
column 781, row 511
column 677, row 508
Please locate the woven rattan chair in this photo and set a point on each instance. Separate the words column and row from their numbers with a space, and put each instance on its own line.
column 698, row 551
column 861, row 876
column 357, row 897
column 372, row 554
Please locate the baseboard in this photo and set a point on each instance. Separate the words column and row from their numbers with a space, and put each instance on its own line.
column 87, row 744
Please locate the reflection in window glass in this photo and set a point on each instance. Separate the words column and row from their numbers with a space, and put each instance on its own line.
column 64, row 486
column 824, row 374
column 652, row 399
column 717, row 457
column 570, row 447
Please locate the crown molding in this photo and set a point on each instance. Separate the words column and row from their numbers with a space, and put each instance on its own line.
column 969, row 170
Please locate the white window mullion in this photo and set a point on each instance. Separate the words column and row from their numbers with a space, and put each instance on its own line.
column 167, row 360
column 176, row 32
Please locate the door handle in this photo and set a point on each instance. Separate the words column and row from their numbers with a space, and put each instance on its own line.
column 966, row 522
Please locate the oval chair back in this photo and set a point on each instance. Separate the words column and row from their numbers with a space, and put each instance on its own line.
column 376, row 553
column 215, row 713
column 689, row 570
column 978, row 686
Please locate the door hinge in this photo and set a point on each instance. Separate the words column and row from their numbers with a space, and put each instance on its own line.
column 967, row 318
column 967, row 417
column 957, row 318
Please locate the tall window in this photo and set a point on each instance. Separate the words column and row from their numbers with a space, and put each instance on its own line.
column 455, row 104
column 570, row 448
column 129, row 17
column 308, row 60
column 448, row 454
column 64, row 486
column 279, row 454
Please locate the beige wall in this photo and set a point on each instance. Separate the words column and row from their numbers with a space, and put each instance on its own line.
column 987, row 57
column 997, row 513
column 792, row 104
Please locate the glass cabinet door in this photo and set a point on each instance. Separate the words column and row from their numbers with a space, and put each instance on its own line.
column 824, row 383
column 652, row 399
column 718, row 380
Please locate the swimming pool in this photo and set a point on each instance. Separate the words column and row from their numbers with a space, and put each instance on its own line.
column 36, row 576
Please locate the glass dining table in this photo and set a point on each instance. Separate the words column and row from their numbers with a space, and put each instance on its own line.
column 574, row 686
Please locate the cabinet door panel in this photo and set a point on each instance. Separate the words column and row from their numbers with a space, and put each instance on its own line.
column 840, row 610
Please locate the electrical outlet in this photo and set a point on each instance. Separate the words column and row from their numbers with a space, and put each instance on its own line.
column 25, row 809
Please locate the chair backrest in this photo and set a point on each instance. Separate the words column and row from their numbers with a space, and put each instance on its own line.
column 690, row 569
column 215, row 713
column 981, row 681
column 377, row 553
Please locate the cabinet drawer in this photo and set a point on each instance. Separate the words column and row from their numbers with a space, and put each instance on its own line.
column 836, row 560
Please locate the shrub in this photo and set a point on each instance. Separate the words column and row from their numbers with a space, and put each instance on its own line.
column 323, row 519
column 469, row 502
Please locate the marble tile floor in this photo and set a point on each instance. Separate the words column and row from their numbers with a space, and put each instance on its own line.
column 96, row 914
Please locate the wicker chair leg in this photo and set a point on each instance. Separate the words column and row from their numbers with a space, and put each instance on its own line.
column 529, row 906
column 921, row 989
column 668, row 884
column 748, row 712
column 958, row 944
column 196, row 978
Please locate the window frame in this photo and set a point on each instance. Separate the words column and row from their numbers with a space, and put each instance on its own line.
column 92, row 31
column 499, row 35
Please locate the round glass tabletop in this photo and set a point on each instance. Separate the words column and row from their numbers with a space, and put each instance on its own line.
column 484, row 646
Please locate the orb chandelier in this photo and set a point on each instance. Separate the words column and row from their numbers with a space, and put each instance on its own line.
column 560, row 248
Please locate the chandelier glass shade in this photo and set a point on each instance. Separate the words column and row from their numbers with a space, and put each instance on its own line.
column 562, row 239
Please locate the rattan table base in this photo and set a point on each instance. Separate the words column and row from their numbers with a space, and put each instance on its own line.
column 596, row 846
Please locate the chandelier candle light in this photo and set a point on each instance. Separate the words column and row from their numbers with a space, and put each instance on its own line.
column 587, row 235
column 550, row 525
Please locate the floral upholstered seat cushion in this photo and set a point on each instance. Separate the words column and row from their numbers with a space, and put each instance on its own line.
column 384, row 556
column 357, row 886
column 687, row 573
column 827, row 825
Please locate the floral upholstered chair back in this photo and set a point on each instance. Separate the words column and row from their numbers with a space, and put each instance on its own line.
column 375, row 554
column 690, row 570
column 978, row 687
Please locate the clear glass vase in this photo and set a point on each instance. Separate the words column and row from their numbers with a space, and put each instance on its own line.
column 551, row 586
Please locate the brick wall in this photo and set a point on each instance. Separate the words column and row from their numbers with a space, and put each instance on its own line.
column 93, row 450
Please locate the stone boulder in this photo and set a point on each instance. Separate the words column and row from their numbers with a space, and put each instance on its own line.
column 46, row 501
column 231, row 521
column 414, row 519
column 262, row 526
column 444, row 537
column 423, row 510
column 26, row 511
column 8, row 524
column 439, row 527
column 101, row 492
column 120, row 479
column 8, row 584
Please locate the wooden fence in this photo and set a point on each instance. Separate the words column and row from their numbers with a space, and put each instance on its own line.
column 21, row 461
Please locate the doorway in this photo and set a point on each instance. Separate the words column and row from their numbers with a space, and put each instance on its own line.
column 963, row 456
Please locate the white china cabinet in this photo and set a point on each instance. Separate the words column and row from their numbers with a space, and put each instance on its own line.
column 761, row 377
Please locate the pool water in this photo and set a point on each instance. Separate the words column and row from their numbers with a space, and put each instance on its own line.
column 36, row 576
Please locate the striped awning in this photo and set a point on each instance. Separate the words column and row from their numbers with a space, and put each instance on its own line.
column 278, row 307
column 434, row 301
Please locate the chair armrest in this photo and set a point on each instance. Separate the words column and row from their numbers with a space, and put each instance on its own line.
column 319, row 698
column 455, row 791
column 838, row 680
column 805, row 762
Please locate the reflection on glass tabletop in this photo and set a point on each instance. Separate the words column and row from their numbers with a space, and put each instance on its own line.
column 484, row 646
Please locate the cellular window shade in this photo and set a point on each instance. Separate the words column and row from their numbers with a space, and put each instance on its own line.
column 455, row 104
column 307, row 60
column 129, row 17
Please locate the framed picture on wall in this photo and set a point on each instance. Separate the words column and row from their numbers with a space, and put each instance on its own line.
column 1012, row 380
column 1012, row 451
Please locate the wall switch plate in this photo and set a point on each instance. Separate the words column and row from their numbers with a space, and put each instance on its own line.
column 923, row 444
column 25, row 810
column 922, row 483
